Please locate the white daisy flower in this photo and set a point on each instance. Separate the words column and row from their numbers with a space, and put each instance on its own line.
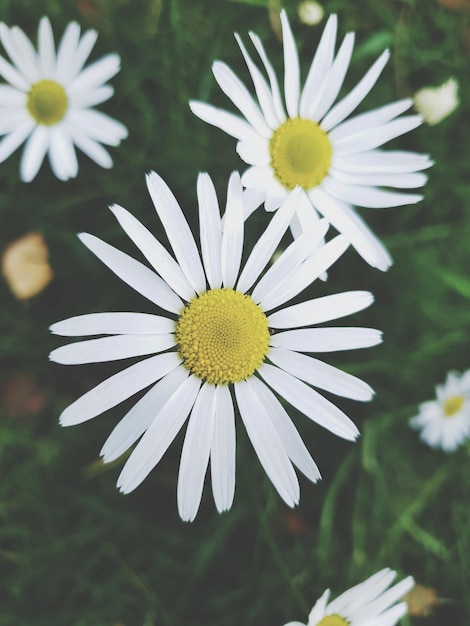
column 437, row 103
column 445, row 422
column 50, row 98
column 371, row 603
column 308, row 141
column 225, row 339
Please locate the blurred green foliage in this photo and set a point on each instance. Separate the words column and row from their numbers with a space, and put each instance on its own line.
column 75, row 552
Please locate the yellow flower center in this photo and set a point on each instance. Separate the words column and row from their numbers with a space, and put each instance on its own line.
column 453, row 405
column 222, row 336
column 47, row 102
column 300, row 153
column 333, row 620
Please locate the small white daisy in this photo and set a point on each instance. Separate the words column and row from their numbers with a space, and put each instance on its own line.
column 225, row 340
column 445, row 422
column 437, row 103
column 371, row 603
column 48, row 101
column 309, row 142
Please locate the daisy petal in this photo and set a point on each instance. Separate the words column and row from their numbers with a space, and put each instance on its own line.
column 46, row 49
column 177, row 230
column 91, row 148
column 20, row 53
column 85, row 46
column 118, row 388
column 136, row 275
column 232, row 233
column 66, row 52
column 98, row 126
column 62, row 154
column 13, row 140
column 266, row 442
column 275, row 91
column 95, row 74
column 12, row 76
column 223, row 450
column 140, row 417
column 291, row 68
column 400, row 181
column 195, row 453
column 368, row 196
column 232, row 124
column 113, row 323
column 34, row 152
column 93, row 97
column 327, row 339
column 321, row 310
column 11, row 98
column 210, row 229
column 154, row 252
column 380, row 161
column 309, row 402
column 164, row 428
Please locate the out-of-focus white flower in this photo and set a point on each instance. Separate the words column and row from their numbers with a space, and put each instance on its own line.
column 371, row 603
column 310, row 12
column 445, row 422
column 50, row 98
column 437, row 103
column 25, row 266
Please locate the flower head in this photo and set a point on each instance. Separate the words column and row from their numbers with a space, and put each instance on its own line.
column 371, row 602
column 437, row 103
column 25, row 266
column 225, row 340
column 445, row 422
column 50, row 98
column 306, row 140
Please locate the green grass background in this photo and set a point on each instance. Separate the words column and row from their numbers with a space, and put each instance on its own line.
column 73, row 550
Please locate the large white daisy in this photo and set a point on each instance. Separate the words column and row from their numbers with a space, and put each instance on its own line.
column 48, row 101
column 305, row 139
column 371, row 603
column 445, row 422
column 225, row 340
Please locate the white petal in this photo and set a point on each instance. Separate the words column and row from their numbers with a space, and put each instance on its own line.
column 12, row 76
column 260, row 178
column 118, row 388
column 228, row 122
column 275, row 195
column 232, row 86
column 309, row 402
column 346, row 106
column 136, row 275
column 82, row 53
column 98, row 126
column 322, row 375
column 22, row 55
column 318, row 611
column 113, row 323
column 400, row 181
column 46, row 49
column 308, row 272
column 66, row 53
column 267, row 443
column 343, row 217
column 210, row 230
column 93, row 97
column 319, row 68
column 321, row 309
column 13, row 140
column 223, row 450
column 91, row 148
column 380, row 161
column 95, row 74
column 287, row 432
column 370, row 119
column 374, row 137
column 254, row 152
column 111, row 348
column 141, row 415
column 154, row 252
column 266, row 245
column 177, row 230
column 334, row 80
column 291, row 68
column 232, row 233
column 34, row 152
column 370, row 197
column 159, row 436
column 275, row 91
column 62, row 154
column 195, row 453
column 262, row 89
column 252, row 199
column 327, row 339
column 11, row 97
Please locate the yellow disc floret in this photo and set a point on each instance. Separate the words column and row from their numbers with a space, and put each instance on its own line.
column 222, row 336
column 47, row 102
column 300, row 153
column 453, row 405
column 333, row 620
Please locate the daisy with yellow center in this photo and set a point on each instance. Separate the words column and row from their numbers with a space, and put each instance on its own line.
column 306, row 139
column 49, row 100
column 225, row 341
column 371, row 602
column 445, row 422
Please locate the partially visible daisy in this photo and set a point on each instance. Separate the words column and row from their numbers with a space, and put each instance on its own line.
column 371, row 603
column 437, row 103
column 308, row 141
column 310, row 12
column 50, row 98
column 445, row 422
column 225, row 340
